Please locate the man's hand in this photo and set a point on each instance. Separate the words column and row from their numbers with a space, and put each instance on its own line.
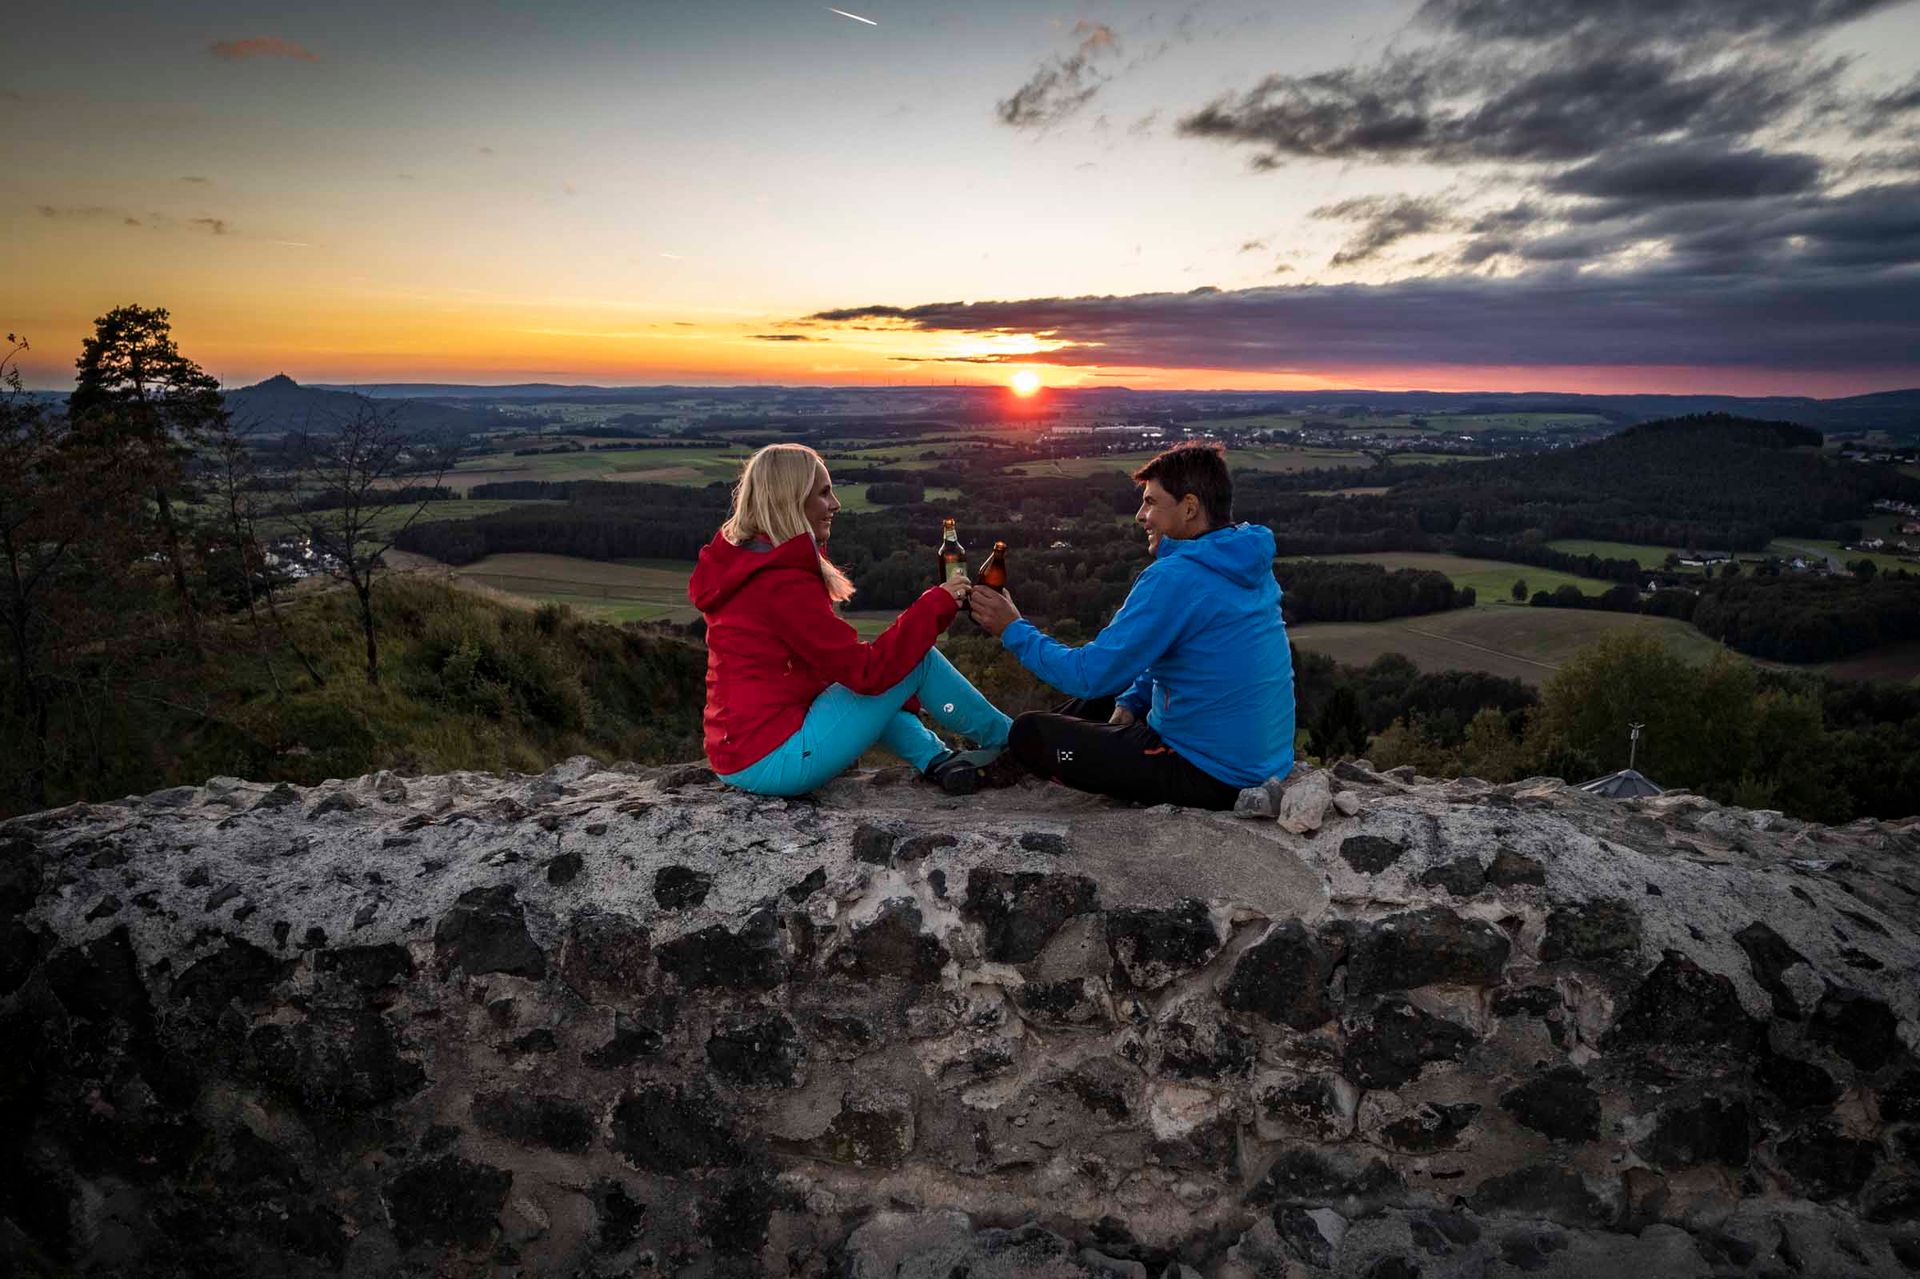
column 958, row 587
column 993, row 610
column 1121, row 716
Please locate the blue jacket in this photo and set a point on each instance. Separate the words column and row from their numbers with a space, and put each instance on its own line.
column 1198, row 645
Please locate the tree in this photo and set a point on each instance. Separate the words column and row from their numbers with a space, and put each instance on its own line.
column 137, row 399
column 1520, row 590
column 237, row 497
column 1338, row 730
column 69, row 517
column 353, row 469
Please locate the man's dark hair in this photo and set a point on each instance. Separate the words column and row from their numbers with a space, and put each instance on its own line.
column 1199, row 469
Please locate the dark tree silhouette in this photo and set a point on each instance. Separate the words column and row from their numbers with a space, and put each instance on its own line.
column 355, row 467
column 137, row 398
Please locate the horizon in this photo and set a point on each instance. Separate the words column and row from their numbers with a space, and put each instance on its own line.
column 1710, row 197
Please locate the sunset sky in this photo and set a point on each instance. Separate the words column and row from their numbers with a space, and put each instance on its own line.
column 1593, row 195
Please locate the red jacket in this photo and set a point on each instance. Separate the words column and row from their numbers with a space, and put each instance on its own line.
column 774, row 643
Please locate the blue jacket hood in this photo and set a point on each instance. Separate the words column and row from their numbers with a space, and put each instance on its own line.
column 1241, row 553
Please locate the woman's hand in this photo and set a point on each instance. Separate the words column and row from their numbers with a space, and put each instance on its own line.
column 958, row 587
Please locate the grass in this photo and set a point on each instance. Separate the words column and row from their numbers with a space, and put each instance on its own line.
column 1527, row 644
column 692, row 466
column 1512, row 421
column 624, row 591
column 467, row 509
column 1492, row 580
column 466, row 682
column 1285, row 460
column 1789, row 547
column 1644, row 556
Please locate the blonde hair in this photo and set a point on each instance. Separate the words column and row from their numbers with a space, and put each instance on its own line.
column 770, row 502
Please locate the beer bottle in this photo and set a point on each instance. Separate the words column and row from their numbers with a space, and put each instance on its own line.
column 953, row 556
column 994, row 572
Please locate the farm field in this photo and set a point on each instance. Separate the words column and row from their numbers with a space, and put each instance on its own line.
column 1286, row 460
column 466, row 509
column 1492, row 580
column 624, row 591
column 1512, row 640
column 1787, row 547
column 694, row 466
column 1644, row 556
column 1899, row 663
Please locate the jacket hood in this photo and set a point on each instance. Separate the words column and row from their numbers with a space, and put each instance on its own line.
column 724, row 568
column 1241, row 553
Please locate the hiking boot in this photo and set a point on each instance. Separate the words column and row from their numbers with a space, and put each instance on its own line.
column 953, row 773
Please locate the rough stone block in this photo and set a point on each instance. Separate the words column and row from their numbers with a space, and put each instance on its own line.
column 486, row 932
column 1020, row 910
column 447, row 1201
column 1560, row 1103
column 1389, row 1044
column 1283, row 977
column 1427, row 947
column 1152, row 947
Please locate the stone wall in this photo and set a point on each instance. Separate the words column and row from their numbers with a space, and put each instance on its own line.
column 629, row 1022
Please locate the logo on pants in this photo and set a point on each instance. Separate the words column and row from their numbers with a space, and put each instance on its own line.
column 1064, row 757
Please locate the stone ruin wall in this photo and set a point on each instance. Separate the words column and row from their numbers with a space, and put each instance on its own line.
column 627, row 1022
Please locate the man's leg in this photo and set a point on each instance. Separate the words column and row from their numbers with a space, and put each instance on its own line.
column 1126, row 763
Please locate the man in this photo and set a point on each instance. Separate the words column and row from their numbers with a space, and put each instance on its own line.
column 1187, row 696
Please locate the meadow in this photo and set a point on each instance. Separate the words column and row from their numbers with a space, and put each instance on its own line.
column 1492, row 580
column 1512, row 640
column 1283, row 460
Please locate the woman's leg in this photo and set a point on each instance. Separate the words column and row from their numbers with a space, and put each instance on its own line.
column 841, row 725
column 955, row 703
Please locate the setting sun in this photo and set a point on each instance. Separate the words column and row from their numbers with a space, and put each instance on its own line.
column 1024, row 383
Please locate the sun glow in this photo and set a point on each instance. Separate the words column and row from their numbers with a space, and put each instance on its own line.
column 1024, row 383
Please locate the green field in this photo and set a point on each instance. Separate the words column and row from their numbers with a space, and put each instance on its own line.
column 1527, row 644
column 1263, row 459
column 1513, row 421
column 466, row 509
column 1644, row 556
column 692, row 466
column 625, row 591
column 1492, row 580
column 1810, row 546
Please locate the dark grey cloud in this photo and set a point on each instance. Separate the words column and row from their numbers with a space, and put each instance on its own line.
column 1384, row 220
column 214, row 226
column 1061, row 86
column 1540, row 20
column 1812, row 320
column 197, row 181
column 784, row 337
column 1440, row 110
column 1688, row 171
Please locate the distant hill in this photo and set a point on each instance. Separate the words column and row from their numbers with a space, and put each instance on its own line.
column 1896, row 412
column 279, row 405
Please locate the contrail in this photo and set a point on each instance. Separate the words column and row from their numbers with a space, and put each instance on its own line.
column 856, row 17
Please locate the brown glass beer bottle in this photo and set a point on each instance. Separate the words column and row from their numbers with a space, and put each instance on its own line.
column 994, row 572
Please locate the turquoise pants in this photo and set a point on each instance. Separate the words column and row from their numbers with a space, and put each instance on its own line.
column 841, row 724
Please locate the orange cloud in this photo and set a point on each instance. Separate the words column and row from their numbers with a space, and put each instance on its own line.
column 262, row 47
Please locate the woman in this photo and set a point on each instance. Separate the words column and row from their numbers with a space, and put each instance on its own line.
column 793, row 696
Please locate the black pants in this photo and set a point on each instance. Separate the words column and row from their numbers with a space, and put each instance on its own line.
column 1075, row 746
